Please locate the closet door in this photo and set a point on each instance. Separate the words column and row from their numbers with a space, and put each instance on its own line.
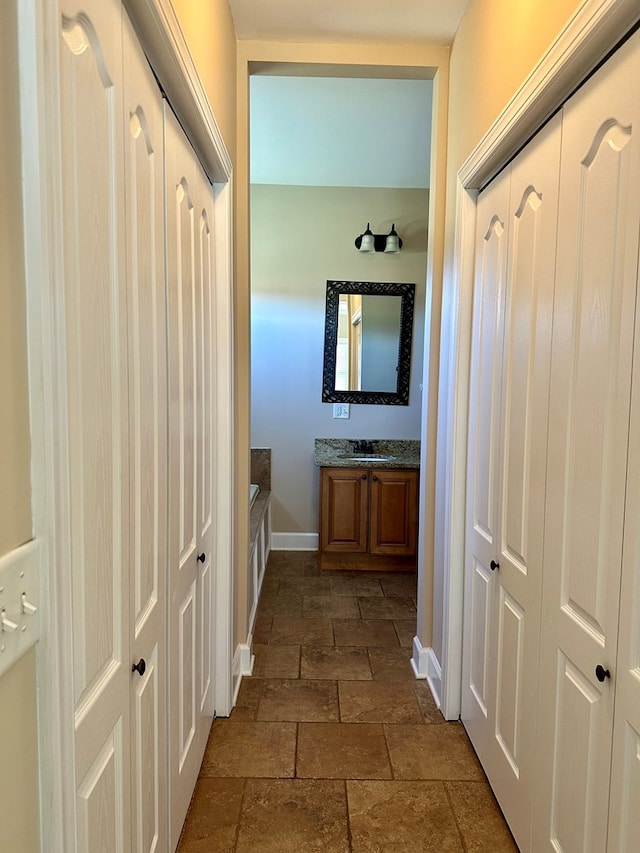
column 521, row 472
column 144, row 167
column 516, row 447
column 624, row 814
column 482, row 539
column 92, row 136
column 205, row 474
column 588, row 437
column 190, row 440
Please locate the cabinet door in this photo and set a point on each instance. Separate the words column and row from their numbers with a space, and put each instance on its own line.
column 92, row 138
column 343, row 499
column 144, row 167
column 393, row 512
column 594, row 313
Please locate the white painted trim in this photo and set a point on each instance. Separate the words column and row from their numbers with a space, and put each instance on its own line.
column 294, row 541
column 455, row 451
column 592, row 32
column 589, row 35
column 225, row 450
column 419, row 659
column 425, row 665
column 434, row 679
column 165, row 46
column 243, row 662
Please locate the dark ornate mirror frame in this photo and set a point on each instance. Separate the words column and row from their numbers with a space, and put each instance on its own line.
column 366, row 288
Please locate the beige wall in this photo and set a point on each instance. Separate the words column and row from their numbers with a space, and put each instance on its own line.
column 208, row 29
column 301, row 237
column 18, row 730
column 496, row 47
column 497, row 44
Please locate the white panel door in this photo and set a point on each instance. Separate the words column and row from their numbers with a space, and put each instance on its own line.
column 589, row 427
column 144, row 167
column 483, row 451
column 92, row 137
column 521, row 472
column 188, row 265
column 624, row 810
column 205, row 372
column 511, row 354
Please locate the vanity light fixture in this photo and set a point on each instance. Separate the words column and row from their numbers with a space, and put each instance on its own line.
column 390, row 243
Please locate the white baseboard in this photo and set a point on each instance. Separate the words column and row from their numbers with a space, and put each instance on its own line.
column 243, row 662
column 294, row 541
column 426, row 665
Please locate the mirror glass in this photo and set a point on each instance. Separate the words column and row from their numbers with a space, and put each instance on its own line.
column 367, row 352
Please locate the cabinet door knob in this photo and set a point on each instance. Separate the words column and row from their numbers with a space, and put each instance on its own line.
column 374, row 477
column 602, row 673
column 493, row 565
column 364, row 476
column 201, row 557
column 139, row 667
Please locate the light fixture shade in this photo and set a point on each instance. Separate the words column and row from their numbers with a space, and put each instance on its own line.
column 392, row 244
column 367, row 242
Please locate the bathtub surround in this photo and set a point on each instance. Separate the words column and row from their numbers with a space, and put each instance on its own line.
column 259, row 549
column 261, row 467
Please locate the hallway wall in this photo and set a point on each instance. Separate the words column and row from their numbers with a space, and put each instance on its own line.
column 496, row 47
column 301, row 237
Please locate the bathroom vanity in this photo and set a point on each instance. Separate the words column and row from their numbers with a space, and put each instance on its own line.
column 368, row 504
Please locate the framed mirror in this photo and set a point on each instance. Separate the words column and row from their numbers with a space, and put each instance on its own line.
column 367, row 342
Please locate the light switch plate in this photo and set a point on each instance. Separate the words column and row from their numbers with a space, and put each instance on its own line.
column 19, row 616
column 342, row 410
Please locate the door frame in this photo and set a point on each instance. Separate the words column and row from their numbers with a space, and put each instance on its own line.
column 159, row 32
column 592, row 32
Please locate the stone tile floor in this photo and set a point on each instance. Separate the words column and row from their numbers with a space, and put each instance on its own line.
column 333, row 745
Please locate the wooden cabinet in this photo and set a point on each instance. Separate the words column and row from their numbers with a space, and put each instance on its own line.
column 368, row 518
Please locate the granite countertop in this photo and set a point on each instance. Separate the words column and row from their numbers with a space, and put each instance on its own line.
column 361, row 453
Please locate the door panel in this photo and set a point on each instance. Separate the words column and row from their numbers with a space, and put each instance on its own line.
column 521, row 473
column 344, row 496
column 589, row 416
column 92, row 133
column 101, row 823
column 393, row 511
column 205, row 372
column 479, row 652
column 144, row 159
column 511, row 352
column 483, row 450
column 190, row 336
column 624, row 817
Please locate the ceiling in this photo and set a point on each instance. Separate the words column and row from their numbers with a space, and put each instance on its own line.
column 435, row 21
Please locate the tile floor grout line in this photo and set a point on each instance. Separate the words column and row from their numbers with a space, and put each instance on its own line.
column 335, row 658
column 455, row 816
column 386, row 743
column 349, row 830
column 242, row 798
